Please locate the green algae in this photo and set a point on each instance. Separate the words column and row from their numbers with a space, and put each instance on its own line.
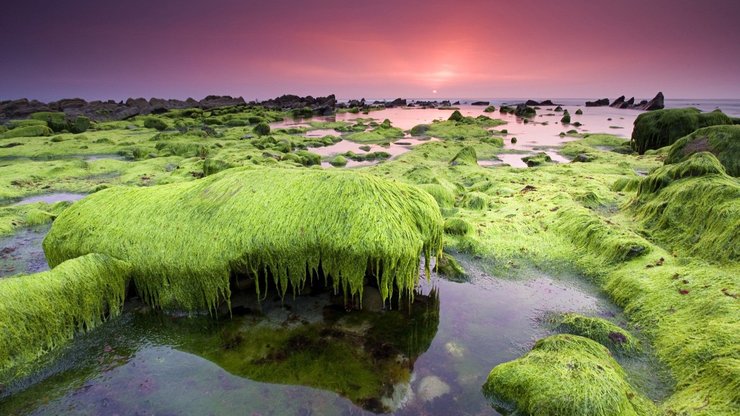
column 721, row 141
column 383, row 133
column 670, row 199
column 338, row 161
column 600, row 330
column 27, row 131
column 565, row 375
column 659, row 128
column 292, row 224
column 538, row 159
column 466, row 156
column 43, row 311
column 457, row 226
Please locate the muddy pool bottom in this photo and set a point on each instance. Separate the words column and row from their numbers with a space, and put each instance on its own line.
column 312, row 355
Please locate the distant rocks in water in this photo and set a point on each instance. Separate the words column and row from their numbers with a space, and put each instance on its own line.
column 524, row 111
column 534, row 103
column 314, row 106
column 481, row 103
column 657, row 103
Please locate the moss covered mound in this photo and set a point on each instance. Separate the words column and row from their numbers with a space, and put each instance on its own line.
column 599, row 330
column 466, row 156
column 659, row 128
column 693, row 206
column 185, row 240
column 721, row 141
column 27, row 131
column 41, row 311
column 565, row 375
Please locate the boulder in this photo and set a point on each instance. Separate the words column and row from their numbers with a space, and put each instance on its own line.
column 598, row 103
column 481, row 103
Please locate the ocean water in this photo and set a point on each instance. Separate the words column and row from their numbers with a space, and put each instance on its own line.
column 730, row 106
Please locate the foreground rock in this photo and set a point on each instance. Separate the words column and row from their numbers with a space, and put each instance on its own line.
column 660, row 128
column 722, row 141
column 565, row 375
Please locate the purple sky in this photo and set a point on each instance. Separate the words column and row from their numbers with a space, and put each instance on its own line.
column 374, row 49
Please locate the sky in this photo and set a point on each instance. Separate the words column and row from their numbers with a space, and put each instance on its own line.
column 374, row 49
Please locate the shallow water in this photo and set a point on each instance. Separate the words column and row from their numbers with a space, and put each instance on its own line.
column 51, row 198
column 435, row 364
column 21, row 253
column 542, row 132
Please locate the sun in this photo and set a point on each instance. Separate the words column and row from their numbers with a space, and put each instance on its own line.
column 434, row 91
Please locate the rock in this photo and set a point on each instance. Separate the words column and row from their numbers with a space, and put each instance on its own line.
column 524, row 111
column 618, row 102
column 583, row 157
column 537, row 159
column 534, row 103
column 598, row 103
column 659, row 128
column 398, row 102
column 430, row 388
column 371, row 299
column 657, row 103
column 454, row 349
column 481, row 103
column 628, row 104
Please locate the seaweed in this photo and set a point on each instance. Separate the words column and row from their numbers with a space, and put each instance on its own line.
column 659, row 128
column 184, row 240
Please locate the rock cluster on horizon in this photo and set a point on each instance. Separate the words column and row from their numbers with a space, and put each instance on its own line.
column 657, row 103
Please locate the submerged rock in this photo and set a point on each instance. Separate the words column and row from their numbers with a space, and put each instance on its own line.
column 430, row 388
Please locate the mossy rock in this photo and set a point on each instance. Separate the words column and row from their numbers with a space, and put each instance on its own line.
column 466, row 156
column 456, row 116
column 579, row 112
column 185, row 240
column 490, row 109
column 565, row 375
column 722, row 141
column 45, row 310
column 659, row 128
column 338, row 161
column 28, row 131
column 692, row 206
column 537, row 159
column 448, row 267
column 457, row 226
column 261, row 129
column 566, row 118
column 600, row 330
column 155, row 123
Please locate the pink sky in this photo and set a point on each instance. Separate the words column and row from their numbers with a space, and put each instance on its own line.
column 373, row 49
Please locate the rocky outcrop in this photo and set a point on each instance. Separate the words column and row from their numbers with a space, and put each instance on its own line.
column 481, row 103
column 657, row 103
column 534, row 103
column 598, row 103
column 131, row 107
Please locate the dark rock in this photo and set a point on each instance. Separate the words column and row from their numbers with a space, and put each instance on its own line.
column 598, row 103
column 481, row 103
column 618, row 102
column 657, row 103
column 525, row 111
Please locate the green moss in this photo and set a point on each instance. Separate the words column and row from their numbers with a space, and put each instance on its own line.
column 338, row 161
column 28, row 131
column 43, row 311
column 670, row 199
column 490, row 109
column 565, row 375
column 457, row 226
column 262, row 129
column 721, row 141
column 308, row 158
column 444, row 196
column 655, row 129
column 537, row 159
column 600, row 330
column 288, row 222
column 626, row 184
column 456, row 116
column 383, row 133
column 156, row 123
column 448, row 267
column 466, row 156
column 475, row 201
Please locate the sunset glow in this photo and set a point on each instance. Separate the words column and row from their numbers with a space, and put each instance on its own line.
column 262, row 49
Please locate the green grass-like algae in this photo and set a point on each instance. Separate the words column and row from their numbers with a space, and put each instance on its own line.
column 185, row 240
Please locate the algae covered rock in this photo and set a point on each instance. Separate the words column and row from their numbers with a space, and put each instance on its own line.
column 338, row 161
column 693, row 206
column 451, row 269
column 564, row 375
column 466, row 156
column 599, row 330
column 42, row 311
column 660, row 128
column 537, row 159
column 457, row 226
column 722, row 141
column 456, row 116
column 185, row 240
column 27, row 131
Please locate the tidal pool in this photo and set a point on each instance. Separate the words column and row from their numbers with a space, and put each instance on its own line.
column 51, row 198
column 21, row 253
column 314, row 354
